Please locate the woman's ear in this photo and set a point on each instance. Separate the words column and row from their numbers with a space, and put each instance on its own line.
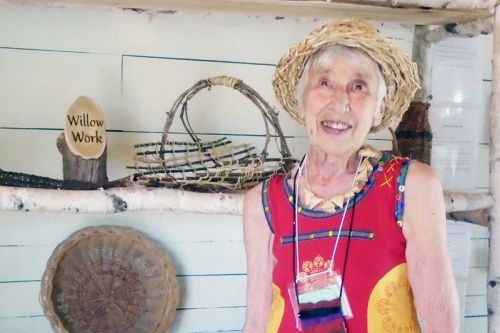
column 379, row 113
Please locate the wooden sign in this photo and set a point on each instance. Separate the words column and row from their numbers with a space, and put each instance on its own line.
column 84, row 129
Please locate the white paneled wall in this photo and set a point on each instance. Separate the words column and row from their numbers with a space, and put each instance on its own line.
column 208, row 254
column 135, row 65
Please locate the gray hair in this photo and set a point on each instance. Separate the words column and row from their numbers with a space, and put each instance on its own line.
column 325, row 57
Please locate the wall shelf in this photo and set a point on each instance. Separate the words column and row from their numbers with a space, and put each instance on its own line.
column 137, row 198
column 379, row 10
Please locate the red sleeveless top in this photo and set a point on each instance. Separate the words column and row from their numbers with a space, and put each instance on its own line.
column 375, row 277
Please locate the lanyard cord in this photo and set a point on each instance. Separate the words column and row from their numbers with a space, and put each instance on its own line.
column 343, row 276
column 343, row 218
column 298, row 174
column 347, row 247
column 295, row 261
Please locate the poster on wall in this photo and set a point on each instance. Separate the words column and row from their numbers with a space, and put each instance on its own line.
column 457, row 67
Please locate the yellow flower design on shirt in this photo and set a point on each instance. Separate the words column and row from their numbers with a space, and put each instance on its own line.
column 390, row 307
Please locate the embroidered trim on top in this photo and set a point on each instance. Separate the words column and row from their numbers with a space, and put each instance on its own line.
column 265, row 204
column 313, row 213
column 400, row 193
column 361, row 234
column 365, row 168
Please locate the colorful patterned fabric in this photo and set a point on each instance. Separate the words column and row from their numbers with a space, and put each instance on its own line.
column 375, row 277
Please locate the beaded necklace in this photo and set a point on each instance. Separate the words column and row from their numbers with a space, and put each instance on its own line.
column 336, row 202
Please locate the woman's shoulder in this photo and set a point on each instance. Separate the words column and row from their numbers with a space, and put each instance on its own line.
column 423, row 189
column 422, row 175
column 251, row 200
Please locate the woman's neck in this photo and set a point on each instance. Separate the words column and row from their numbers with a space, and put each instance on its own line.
column 330, row 167
column 326, row 175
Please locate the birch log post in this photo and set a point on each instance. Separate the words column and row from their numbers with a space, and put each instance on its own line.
column 467, row 29
column 83, row 143
column 422, row 56
column 458, row 201
column 479, row 217
column 134, row 198
column 494, row 259
column 83, row 170
column 117, row 200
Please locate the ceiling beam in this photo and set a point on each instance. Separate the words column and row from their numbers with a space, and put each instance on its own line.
column 369, row 10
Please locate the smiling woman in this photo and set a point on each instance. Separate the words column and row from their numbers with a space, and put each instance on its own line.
column 353, row 239
column 343, row 91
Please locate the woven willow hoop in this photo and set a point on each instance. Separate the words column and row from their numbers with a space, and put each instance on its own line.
column 109, row 279
column 399, row 72
column 215, row 165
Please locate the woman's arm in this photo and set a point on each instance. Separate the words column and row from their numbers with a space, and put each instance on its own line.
column 258, row 247
column 429, row 268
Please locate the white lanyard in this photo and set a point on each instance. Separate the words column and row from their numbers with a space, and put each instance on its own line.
column 296, row 220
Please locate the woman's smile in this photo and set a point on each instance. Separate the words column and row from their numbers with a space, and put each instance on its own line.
column 335, row 127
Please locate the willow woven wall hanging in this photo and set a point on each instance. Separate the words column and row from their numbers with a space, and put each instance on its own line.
column 215, row 165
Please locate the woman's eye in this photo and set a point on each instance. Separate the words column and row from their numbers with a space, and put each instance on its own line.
column 359, row 87
column 323, row 83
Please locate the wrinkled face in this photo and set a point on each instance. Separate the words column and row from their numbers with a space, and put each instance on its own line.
column 339, row 105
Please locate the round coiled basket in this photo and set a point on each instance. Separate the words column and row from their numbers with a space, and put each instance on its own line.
column 109, row 279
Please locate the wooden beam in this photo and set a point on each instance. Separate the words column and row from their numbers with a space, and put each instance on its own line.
column 448, row 4
column 494, row 257
column 117, row 200
column 133, row 198
column 479, row 217
column 370, row 10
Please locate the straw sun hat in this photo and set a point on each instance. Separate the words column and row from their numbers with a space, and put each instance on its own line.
column 399, row 72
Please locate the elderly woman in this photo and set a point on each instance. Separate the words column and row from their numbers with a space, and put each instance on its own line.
column 351, row 240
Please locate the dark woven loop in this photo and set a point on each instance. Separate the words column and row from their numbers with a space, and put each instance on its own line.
column 414, row 133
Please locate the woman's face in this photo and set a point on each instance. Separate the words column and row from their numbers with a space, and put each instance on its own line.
column 339, row 104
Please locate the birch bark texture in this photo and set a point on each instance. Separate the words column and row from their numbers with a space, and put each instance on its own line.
column 134, row 198
column 444, row 4
column 493, row 289
column 422, row 56
column 436, row 4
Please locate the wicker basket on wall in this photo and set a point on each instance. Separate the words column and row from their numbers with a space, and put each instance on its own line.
column 109, row 279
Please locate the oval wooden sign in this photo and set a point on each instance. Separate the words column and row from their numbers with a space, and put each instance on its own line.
column 84, row 129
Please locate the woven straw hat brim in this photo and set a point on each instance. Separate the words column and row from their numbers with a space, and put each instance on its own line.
column 399, row 72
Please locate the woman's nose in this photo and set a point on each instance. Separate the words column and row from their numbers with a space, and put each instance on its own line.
column 339, row 100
